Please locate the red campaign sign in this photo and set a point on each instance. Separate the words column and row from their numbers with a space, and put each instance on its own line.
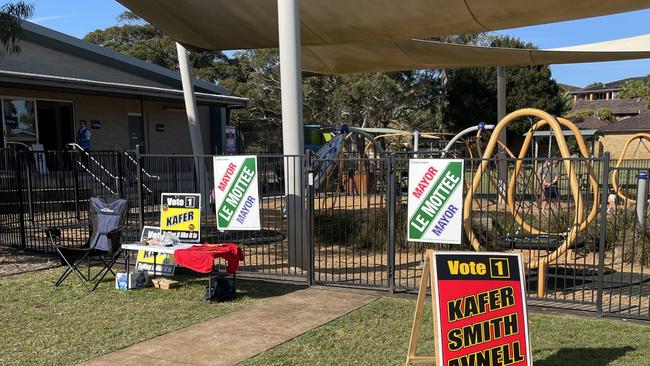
column 481, row 310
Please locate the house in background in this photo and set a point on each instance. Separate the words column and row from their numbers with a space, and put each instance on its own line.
column 612, row 136
column 599, row 91
column 598, row 96
column 58, row 80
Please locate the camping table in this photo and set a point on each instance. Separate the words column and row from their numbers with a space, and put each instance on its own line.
column 165, row 250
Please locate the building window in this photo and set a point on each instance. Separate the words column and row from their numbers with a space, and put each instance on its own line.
column 19, row 119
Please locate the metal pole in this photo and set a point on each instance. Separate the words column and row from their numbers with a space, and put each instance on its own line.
column 641, row 197
column 310, row 218
column 502, row 168
column 603, row 231
column 190, row 100
column 138, row 157
column 21, row 207
column 292, row 126
column 390, row 203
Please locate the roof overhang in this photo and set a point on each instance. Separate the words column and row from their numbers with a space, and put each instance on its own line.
column 28, row 80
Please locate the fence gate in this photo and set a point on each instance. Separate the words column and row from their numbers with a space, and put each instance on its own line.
column 350, row 213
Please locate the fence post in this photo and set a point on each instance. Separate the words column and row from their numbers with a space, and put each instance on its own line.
column 390, row 230
column 75, row 180
column 138, row 156
column 120, row 175
column 602, row 232
column 21, row 207
column 310, row 219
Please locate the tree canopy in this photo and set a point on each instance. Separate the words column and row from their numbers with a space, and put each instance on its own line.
column 471, row 93
column 637, row 89
column 11, row 14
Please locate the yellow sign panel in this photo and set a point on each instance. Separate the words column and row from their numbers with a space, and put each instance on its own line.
column 164, row 262
column 180, row 214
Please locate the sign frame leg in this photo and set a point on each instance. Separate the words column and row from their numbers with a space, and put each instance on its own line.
column 425, row 281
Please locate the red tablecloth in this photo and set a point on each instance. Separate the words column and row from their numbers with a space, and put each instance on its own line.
column 200, row 258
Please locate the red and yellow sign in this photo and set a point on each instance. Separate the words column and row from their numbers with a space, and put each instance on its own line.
column 479, row 304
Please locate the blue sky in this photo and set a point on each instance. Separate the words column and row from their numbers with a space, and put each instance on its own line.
column 78, row 17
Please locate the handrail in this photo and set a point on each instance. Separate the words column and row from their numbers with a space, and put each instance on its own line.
column 84, row 167
column 156, row 177
column 81, row 149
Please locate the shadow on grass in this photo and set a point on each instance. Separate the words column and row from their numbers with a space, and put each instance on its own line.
column 246, row 288
column 585, row 356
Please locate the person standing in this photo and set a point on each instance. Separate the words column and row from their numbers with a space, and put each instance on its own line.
column 83, row 135
column 549, row 177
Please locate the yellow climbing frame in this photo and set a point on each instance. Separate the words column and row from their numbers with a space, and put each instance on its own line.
column 615, row 184
column 580, row 223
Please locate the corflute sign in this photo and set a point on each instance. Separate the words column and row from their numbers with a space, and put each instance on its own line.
column 481, row 309
column 435, row 201
column 180, row 214
column 235, row 193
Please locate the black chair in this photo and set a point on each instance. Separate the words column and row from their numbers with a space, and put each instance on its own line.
column 107, row 221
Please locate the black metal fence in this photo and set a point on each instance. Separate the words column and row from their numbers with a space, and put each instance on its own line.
column 586, row 244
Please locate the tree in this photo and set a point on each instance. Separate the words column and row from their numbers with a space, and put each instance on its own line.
column 637, row 89
column 603, row 114
column 471, row 93
column 11, row 15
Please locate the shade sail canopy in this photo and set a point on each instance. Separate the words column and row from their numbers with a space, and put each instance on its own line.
column 244, row 24
column 420, row 54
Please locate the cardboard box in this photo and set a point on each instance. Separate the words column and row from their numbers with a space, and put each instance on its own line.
column 137, row 279
column 165, row 283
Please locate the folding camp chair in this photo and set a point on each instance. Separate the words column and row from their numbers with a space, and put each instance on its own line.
column 107, row 221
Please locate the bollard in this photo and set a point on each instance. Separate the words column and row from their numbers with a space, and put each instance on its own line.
column 641, row 197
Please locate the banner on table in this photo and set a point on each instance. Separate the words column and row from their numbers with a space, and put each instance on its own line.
column 480, row 315
column 435, row 201
column 165, row 264
column 180, row 214
column 235, row 193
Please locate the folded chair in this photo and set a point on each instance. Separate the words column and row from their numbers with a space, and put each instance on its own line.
column 107, row 221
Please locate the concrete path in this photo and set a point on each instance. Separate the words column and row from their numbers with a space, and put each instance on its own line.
column 234, row 337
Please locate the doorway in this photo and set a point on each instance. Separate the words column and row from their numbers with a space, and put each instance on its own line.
column 55, row 124
column 136, row 131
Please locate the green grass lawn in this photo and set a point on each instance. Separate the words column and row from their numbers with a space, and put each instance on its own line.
column 41, row 324
column 378, row 334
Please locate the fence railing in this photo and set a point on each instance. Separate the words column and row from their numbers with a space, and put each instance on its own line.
column 585, row 245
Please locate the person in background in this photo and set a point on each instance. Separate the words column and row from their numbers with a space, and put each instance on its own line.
column 83, row 135
column 548, row 177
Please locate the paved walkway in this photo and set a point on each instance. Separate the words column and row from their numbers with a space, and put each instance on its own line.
column 234, row 337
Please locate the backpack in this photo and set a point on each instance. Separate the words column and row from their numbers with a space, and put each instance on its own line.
column 220, row 291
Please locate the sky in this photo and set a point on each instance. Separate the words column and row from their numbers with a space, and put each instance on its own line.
column 79, row 17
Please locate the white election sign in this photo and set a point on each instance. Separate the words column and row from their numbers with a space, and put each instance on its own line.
column 435, row 201
column 235, row 193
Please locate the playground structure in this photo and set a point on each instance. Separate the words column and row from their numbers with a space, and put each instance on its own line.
column 643, row 139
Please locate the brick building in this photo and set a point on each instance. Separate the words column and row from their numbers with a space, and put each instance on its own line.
column 58, row 80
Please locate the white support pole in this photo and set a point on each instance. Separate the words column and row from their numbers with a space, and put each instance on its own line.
column 502, row 169
column 190, row 100
column 193, row 121
column 292, row 128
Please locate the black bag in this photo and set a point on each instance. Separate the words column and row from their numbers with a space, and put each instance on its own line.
column 220, row 291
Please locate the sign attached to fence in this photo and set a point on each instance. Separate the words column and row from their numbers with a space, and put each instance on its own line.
column 180, row 214
column 165, row 264
column 435, row 201
column 479, row 303
column 235, row 193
